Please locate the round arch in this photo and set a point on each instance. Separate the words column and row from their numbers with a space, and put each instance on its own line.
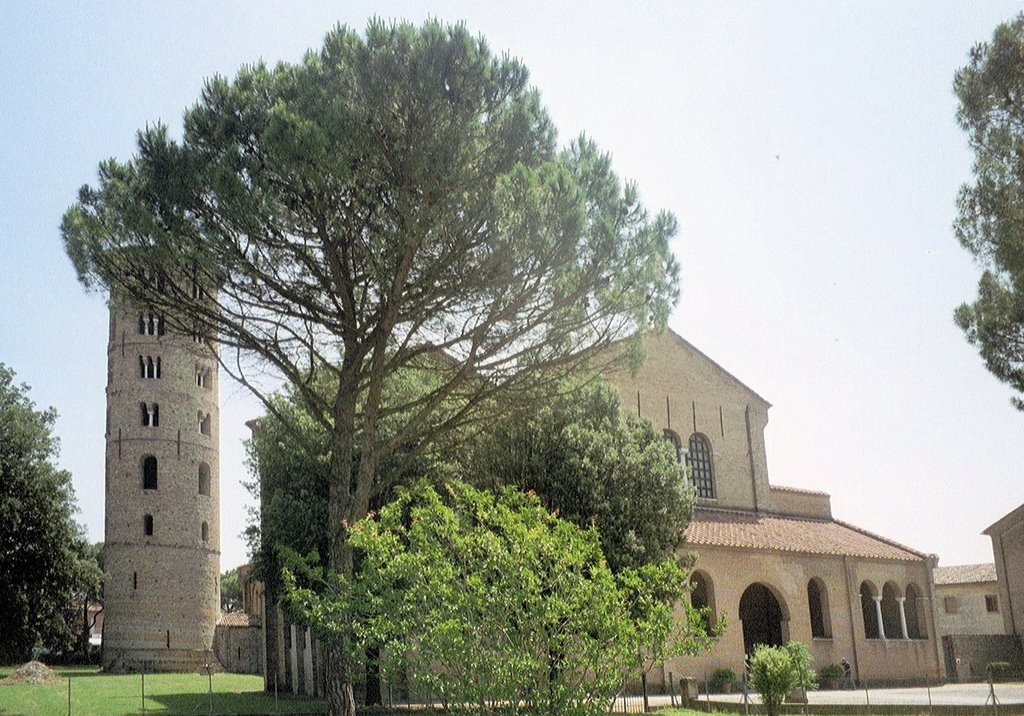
column 818, row 608
column 868, row 592
column 891, row 625
column 702, row 596
column 764, row 616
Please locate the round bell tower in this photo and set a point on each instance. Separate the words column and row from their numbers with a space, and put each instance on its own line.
column 162, row 528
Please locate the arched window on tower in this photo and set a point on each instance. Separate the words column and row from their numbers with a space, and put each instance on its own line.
column 202, row 376
column 702, row 470
column 817, row 604
column 149, row 368
column 205, row 532
column 204, row 422
column 149, row 481
column 204, row 479
column 150, row 415
column 147, row 525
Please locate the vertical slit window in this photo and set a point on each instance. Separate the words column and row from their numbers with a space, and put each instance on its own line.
column 149, row 473
column 147, row 525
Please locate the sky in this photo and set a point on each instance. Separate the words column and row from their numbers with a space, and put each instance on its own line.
column 810, row 152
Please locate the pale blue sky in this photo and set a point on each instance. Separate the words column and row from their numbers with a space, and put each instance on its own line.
column 809, row 150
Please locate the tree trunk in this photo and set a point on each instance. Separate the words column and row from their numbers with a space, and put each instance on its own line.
column 340, row 696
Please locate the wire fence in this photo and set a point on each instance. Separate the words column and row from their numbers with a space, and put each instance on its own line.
column 89, row 693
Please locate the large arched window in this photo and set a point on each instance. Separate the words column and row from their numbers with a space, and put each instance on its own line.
column 867, row 605
column 149, row 481
column 817, row 604
column 916, row 626
column 891, row 628
column 702, row 471
column 702, row 596
column 204, row 479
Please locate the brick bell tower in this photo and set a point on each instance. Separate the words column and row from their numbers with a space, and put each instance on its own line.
column 162, row 527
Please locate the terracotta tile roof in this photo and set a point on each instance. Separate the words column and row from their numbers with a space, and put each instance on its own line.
column 752, row 530
column 801, row 490
column 238, row 619
column 965, row 573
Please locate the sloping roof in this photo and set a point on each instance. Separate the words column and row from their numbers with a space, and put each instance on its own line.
column 965, row 573
column 754, row 530
column 239, row 619
column 1008, row 520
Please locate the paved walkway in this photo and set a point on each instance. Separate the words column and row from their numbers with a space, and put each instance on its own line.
column 948, row 694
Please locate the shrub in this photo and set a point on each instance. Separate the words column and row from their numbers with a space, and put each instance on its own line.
column 998, row 669
column 721, row 677
column 832, row 671
column 777, row 670
column 491, row 598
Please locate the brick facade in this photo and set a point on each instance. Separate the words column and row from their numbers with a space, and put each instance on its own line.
column 752, row 533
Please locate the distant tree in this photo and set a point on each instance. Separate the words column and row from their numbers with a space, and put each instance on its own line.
column 230, row 591
column 46, row 569
column 392, row 197
column 94, row 557
column 991, row 210
column 490, row 598
column 593, row 467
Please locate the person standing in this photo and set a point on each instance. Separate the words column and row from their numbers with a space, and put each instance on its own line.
column 847, row 675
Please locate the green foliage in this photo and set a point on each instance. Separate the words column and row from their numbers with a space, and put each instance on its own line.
column 990, row 223
column 485, row 598
column 998, row 669
column 395, row 200
column 832, row 671
column 593, row 467
column 721, row 677
column 230, row 591
column 47, row 568
column 777, row 670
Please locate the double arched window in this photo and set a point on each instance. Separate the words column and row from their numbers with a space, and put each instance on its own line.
column 150, row 415
column 149, row 368
column 702, row 470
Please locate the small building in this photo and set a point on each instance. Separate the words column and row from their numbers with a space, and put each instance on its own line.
column 967, row 600
column 1007, row 536
column 238, row 640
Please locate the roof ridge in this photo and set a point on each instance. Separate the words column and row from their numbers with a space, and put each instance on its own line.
column 880, row 538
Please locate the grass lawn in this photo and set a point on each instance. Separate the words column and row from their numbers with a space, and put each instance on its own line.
column 96, row 694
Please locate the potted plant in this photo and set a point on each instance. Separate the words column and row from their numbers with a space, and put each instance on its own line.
column 829, row 676
column 721, row 681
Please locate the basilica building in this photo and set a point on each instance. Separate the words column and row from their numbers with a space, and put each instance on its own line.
column 771, row 559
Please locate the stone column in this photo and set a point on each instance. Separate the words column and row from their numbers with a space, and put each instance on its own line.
column 903, row 616
column 878, row 616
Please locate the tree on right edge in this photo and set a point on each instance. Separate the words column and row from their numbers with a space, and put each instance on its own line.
column 991, row 210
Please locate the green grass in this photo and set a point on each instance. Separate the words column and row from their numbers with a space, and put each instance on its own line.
column 97, row 694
